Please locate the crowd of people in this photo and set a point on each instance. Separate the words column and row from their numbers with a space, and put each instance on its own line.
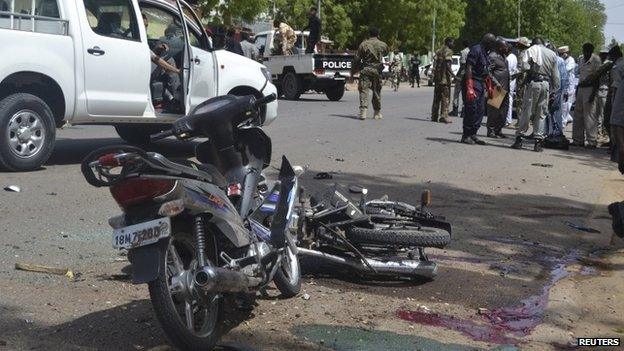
column 544, row 80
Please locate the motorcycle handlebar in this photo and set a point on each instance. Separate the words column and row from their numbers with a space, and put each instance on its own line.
column 161, row 135
column 265, row 100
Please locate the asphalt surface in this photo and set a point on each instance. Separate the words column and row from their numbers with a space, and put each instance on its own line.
column 508, row 215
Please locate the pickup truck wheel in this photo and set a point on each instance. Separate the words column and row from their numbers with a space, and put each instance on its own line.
column 27, row 132
column 335, row 93
column 291, row 86
column 137, row 134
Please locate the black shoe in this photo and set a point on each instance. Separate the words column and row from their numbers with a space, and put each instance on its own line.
column 491, row 134
column 453, row 113
column 590, row 146
column 501, row 135
column 518, row 143
column 477, row 140
column 434, row 119
column 539, row 145
column 467, row 140
column 616, row 210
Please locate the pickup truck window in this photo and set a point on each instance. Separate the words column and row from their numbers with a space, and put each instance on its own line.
column 113, row 18
column 47, row 8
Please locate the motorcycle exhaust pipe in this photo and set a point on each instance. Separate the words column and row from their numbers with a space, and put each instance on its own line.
column 216, row 279
column 402, row 267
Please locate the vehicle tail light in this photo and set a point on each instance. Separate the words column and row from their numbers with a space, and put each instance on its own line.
column 319, row 72
column 134, row 191
column 108, row 160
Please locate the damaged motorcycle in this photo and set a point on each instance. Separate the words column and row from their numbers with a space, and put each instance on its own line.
column 376, row 238
column 196, row 233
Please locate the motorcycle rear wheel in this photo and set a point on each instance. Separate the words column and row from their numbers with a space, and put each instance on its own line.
column 189, row 321
column 405, row 235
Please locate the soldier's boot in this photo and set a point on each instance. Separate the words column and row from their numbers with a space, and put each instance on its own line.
column 363, row 113
column 518, row 143
column 454, row 112
column 539, row 145
column 377, row 115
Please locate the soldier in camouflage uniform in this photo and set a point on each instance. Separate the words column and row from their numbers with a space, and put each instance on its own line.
column 397, row 67
column 442, row 78
column 369, row 62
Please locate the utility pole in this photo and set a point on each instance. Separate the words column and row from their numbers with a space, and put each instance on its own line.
column 318, row 7
column 519, row 15
column 433, row 30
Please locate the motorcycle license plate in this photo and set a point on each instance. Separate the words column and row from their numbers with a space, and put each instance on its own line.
column 141, row 234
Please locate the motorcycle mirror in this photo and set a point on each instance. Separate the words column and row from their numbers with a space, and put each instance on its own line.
column 425, row 198
column 298, row 170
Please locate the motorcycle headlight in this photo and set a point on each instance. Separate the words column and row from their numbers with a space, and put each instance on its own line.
column 266, row 73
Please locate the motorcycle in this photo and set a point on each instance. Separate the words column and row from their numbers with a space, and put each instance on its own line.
column 204, row 234
column 376, row 238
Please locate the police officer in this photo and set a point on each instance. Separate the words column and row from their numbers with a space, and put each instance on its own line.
column 442, row 78
column 475, row 90
column 415, row 69
column 369, row 62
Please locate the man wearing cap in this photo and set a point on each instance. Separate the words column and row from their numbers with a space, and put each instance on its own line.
column 585, row 125
column 522, row 45
column 542, row 82
column 476, row 89
column 569, row 96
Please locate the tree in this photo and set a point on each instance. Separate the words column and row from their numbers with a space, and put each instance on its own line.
column 229, row 12
column 563, row 22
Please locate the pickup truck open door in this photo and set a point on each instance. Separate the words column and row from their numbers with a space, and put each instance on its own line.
column 111, row 39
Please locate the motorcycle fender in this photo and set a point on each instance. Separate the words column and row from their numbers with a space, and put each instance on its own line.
column 146, row 261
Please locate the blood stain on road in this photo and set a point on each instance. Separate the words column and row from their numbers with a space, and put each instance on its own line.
column 502, row 325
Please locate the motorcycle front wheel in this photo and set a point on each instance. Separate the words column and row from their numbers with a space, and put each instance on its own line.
column 288, row 276
column 188, row 318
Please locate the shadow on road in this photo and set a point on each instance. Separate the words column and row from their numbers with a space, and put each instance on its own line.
column 132, row 326
column 346, row 116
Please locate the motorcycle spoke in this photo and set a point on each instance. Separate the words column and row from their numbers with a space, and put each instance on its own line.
column 188, row 312
column 176, row 260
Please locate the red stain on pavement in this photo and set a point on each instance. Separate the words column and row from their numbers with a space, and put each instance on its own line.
column 480, row 332
column 502, row 325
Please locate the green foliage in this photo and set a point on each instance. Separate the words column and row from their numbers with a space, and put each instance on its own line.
column 227, row 12
column 564, row 22
column 407, row 24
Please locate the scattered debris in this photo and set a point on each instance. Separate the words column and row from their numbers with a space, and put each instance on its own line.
column 12, row 188
column 581, row 228
column 29, row 321
column 52, row 194
column 3, row 343
column 340, row 159
column 482, row 310
column 545, row 165
column 356, row 189
column 116, row 277
column 596, row 262
column 44, row 269
column 323, row 175
column 306, row 296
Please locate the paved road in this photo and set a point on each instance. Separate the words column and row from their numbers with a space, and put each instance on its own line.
column 509, row 237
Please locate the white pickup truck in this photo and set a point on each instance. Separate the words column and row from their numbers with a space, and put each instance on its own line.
column 295, row 74
column 90, row 62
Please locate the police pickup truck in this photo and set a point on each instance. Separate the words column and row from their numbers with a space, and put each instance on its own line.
column 91, row 62
column 295, row 74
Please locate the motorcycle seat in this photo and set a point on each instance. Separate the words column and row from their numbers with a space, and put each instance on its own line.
column 212, row 171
